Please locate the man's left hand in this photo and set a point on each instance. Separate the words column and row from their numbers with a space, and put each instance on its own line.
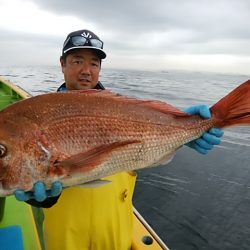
column 210, row 138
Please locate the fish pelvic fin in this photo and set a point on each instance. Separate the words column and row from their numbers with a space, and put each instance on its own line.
column 234, row 108
column 88, row 160
column 94, row 184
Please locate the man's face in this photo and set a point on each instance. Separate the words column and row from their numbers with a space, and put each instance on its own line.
column 81, row 69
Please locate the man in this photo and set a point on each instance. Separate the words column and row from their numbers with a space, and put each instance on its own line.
column 93, row 218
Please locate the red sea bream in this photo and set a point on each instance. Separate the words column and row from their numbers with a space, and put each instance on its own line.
column 81, row 136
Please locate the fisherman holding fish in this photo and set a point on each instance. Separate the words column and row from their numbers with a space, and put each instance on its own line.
column 99, row 218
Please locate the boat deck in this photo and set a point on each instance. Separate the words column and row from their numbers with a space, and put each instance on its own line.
column 11, row 94
column 7, row 97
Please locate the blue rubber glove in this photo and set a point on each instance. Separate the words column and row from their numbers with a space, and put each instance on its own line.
column 212, row 137
column 40, row 193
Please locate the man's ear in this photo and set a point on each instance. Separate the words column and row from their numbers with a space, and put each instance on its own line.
column 62, row 62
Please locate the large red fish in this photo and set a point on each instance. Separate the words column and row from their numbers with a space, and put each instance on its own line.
column 81, row 136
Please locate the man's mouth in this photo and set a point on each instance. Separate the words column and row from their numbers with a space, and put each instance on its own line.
column 84, row 80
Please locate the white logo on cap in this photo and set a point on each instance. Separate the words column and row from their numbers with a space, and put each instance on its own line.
column 86, row 35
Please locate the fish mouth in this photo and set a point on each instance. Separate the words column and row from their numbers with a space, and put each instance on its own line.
column 3, row 192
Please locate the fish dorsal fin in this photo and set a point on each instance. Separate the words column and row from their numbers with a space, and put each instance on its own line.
column 164, row 108
column 87, row 161
column 152, row 104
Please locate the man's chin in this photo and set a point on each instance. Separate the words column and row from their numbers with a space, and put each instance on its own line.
column 84, row 85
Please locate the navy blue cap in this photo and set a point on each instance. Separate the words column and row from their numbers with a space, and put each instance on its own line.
column 83, row 39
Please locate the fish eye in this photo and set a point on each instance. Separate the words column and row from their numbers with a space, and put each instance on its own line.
column 3, row 150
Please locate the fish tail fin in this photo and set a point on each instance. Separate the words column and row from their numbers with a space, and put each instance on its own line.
column 233, row 109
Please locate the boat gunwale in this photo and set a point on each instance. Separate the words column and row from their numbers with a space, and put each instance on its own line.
column 15, row 88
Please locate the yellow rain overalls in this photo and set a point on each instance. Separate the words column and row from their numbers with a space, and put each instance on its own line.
column 92, row 218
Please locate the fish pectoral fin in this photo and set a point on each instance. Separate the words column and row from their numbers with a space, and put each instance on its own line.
column 95, row 183
column 86, row 161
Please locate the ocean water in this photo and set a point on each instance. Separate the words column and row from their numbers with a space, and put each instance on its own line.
column 196, row 201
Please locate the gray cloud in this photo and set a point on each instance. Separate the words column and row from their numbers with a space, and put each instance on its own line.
column 135, row 30
column 17, row 47
column 178, row 26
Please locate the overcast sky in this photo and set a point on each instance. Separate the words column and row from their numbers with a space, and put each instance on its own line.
column 200, row 35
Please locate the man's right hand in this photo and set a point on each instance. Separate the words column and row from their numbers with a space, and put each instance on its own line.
column 40, row 193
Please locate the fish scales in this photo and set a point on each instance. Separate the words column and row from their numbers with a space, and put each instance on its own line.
column 76, row 145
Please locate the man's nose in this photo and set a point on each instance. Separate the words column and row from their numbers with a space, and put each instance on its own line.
column 85, row 69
